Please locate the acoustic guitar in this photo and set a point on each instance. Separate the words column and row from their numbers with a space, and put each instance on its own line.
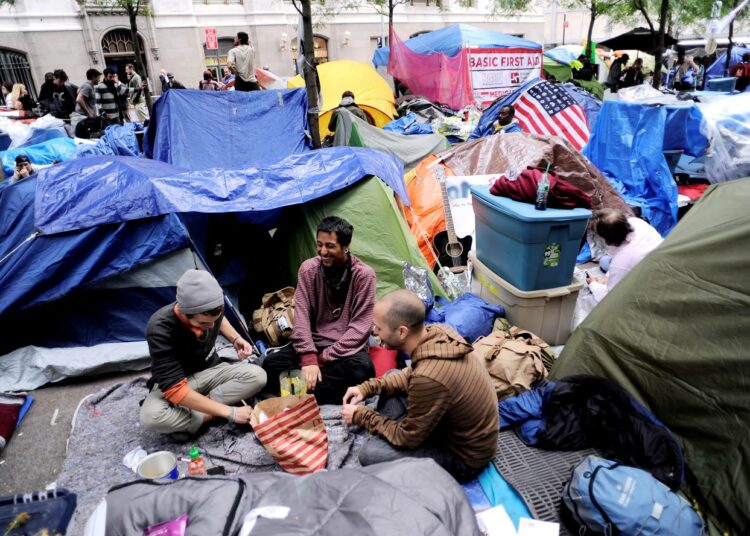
column 453, row 252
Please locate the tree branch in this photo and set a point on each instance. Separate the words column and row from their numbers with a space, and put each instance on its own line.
column 640, row 7
column 296, row 7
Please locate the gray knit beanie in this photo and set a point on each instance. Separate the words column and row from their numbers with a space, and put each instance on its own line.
column 198, row 292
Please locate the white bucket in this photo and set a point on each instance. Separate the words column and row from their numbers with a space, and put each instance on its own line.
column 160, row 466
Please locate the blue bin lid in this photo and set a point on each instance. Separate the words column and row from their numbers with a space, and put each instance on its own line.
column 526, row 211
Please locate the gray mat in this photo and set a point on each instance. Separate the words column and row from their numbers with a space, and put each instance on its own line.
column 106, row 428
column 537, row 475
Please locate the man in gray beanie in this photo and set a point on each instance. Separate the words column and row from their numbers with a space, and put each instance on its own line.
column 189, row 385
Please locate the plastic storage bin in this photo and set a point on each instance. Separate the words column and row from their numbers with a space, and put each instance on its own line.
column 531, row 249
column 725, row 85
column 546, row 313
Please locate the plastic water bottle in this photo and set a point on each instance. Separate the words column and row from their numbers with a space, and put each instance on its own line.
column 196, row 466
column 542, row 191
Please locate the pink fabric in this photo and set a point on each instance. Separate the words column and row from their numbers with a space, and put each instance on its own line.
column 437, row 77
column 315, row 326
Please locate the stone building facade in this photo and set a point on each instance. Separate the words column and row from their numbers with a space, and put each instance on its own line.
column 38, row 36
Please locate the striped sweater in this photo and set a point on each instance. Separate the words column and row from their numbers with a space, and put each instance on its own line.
column 315, row 326
column 450, row 396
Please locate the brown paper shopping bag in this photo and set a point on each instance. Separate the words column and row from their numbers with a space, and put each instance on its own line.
column 293, row 432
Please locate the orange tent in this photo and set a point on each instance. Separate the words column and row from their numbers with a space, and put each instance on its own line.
column 426, row 216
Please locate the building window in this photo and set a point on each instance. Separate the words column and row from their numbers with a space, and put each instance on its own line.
column 118, row 50
column 320, row 42
column 14, row 68
column 216, row 60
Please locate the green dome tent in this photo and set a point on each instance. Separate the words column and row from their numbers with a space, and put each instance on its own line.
column 676, row 334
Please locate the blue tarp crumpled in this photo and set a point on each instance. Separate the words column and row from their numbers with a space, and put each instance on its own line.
column 408, row 125
column 102, row 190
column 203, row 129
column 44, row 268
column 47, row 152
column 627, row 146
column 117, row 140
column 469, row 315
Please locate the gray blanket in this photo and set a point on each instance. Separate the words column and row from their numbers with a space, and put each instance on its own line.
column 106, row 428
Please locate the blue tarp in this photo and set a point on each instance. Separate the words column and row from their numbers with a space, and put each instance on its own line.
column 408, row 125
column 561, row 55
column 47, row 152
column 231, row 129
column 683, row 130
column 451, row 39
column 41, row 269
column 117, row 140
column 101, row 190
column 627, row 146
column 716, row 70
column 38, row 135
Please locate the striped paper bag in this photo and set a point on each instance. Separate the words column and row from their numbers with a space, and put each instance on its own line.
column 293, row 433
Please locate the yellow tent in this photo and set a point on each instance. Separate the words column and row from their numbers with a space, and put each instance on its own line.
column 371, row 92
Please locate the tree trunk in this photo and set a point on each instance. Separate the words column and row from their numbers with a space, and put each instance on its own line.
column 310, row 73
column 139, row 67
column 589, row 44
column 391, row 8
column 727, row 65
column 663, row 15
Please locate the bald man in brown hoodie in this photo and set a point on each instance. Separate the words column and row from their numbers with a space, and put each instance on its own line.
column 443, row 407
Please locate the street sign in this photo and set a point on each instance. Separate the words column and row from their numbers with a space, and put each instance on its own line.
column 211, row 42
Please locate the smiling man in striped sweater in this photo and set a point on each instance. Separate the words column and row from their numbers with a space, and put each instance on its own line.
column 333, row 302
column 444, row 407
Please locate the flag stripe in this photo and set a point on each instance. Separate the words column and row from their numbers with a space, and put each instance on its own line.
column 575, row 128
column 547, row 110
column 532, row 112
column 572, row 135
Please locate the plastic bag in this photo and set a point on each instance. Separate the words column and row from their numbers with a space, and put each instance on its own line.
column 726, row 124
column 18, row 132
column 48, row 121
column 292, row 383
column 418, row 281
column 469, row 314
column 175, row 527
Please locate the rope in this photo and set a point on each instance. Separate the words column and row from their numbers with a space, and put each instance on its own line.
column 12, row 251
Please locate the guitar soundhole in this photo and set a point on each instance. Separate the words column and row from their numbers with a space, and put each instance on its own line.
column 454, row 249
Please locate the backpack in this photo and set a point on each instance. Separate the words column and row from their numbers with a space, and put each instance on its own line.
column 606, row 497
column 275, row 318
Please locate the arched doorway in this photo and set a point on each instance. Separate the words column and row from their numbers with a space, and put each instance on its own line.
column 117, row 47
column 14, row 68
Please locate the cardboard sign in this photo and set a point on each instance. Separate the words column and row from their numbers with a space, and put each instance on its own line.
column 498, row 72
column 212, row 43
column 459, row 197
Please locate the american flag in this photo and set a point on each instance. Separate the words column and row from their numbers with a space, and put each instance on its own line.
column 548, row 110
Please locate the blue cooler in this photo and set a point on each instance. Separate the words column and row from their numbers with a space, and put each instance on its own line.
column 531, row 249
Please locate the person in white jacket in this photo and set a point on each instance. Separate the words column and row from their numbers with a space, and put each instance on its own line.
column 629, row 241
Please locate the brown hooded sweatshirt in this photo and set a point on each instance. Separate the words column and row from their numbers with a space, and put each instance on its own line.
column 450, row 397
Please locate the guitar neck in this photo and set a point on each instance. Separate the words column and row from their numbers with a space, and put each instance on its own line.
column 452, row 238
